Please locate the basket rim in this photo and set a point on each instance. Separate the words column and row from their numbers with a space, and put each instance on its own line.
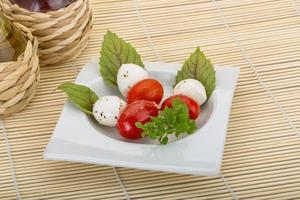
column 28, row 36
column 55, row 30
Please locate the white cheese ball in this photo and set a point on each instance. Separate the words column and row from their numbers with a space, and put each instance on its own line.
column 128, row 75
column 107, row 109
column 191, row 88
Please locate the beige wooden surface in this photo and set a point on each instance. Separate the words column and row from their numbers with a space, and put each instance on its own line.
column 262, row 152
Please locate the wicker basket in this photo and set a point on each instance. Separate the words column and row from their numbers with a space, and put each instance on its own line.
column 18, row 79
column 62, row 34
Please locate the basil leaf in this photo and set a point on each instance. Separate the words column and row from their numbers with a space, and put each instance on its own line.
column 81, row 96
column 115, row 52
column 200, row 68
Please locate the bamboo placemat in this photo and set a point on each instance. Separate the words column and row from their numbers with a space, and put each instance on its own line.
column 262, row 154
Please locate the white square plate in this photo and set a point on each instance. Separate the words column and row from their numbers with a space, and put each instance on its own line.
column 77, row 138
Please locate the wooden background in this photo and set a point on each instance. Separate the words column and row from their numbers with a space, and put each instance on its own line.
column 262, row 154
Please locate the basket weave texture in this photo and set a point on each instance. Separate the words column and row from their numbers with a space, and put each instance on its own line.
column 62, row 34
column 18, row 79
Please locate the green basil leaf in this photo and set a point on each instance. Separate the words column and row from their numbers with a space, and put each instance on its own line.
column 115, row 52
column 80, row 95
column 200, row 68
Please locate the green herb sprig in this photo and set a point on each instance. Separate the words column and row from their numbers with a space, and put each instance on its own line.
column 174, row 120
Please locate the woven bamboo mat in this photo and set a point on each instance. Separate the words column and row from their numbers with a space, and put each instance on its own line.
column 262, row 154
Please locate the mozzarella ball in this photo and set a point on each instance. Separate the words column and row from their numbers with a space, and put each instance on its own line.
column 128, row 75
column 193, row 89
column 107, row 109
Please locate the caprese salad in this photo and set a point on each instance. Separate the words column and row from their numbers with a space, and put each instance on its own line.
column 141, row 113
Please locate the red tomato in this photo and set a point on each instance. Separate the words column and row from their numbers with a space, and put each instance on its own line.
column 194, row 108
column 138, row 111
column 147, row 89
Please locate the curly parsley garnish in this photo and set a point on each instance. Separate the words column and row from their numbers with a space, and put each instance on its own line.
column 174, row 120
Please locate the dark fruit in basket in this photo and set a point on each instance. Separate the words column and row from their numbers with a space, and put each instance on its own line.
column 42, row 5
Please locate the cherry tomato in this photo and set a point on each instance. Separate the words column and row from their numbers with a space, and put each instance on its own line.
column 147, row 89
column 194, row 108
column 138, row 111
